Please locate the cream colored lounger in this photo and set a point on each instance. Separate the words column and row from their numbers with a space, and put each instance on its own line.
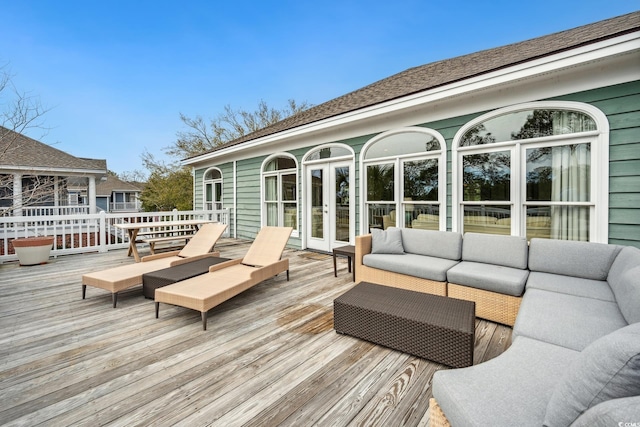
column 228, row 279
column 119, row 278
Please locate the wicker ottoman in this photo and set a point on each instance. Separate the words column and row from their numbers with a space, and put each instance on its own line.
column 167, row 276
column 433, row 327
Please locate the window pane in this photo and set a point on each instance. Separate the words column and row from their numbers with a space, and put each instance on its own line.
column 380, row 182
column 213, row 174
column 317, row 204
column 528, row 124
column 425, row 217
column 272, row 214
column 328, row 152
column 270, row 188
column 402, row 143
column 291, row 215
column 487, row 176
column 421, row 180
column 280, row 163
column 487, row 219
column 538, row 222
column 381, row 215
column 570, row 223
column 289, row 192
column 559, row 173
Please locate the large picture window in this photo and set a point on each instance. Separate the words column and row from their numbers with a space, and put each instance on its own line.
column 403, row 170
column 280, row 192
column 530, row 172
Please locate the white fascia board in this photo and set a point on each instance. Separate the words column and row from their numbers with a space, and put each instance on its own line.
column 545, row 68
column 49, row 171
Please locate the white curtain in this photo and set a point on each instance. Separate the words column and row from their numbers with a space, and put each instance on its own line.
column 271, row 196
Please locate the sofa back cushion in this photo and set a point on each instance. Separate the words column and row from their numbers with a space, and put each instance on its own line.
column 388, row 241
column 508, row 251
column 441, row 244
column 609, row 368
column 571, row 258
column 624, row 280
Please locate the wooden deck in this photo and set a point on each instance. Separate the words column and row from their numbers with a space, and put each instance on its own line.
column 269, row 356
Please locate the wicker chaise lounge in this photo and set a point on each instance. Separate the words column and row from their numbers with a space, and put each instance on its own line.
column 126, row 276
column 228, row 279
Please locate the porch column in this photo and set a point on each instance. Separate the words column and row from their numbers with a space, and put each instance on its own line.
column 17, row 194
column 91, row 194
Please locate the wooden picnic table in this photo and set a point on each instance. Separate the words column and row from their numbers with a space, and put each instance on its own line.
column 158, row 228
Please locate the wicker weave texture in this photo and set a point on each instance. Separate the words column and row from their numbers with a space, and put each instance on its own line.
column 436, row 416
column 398, row 280
column 429, row 326
column 492, row 306
column 167, row 276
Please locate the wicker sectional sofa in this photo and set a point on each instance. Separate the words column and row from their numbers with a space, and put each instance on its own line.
column 575, row 352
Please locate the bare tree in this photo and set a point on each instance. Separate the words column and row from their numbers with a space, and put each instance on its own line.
column 19, row 113
column 231, row 124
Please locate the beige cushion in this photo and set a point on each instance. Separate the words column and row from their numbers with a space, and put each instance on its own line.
column 268, row 246
column 204, row 240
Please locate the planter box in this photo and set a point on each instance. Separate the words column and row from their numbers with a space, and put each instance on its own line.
column 33, row 250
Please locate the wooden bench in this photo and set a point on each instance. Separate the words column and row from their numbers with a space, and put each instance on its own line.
column 153, row 240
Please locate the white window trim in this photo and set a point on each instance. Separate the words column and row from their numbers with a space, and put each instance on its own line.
column 599, row 225
column 398, row 162
column 263, row 212
column 211, row 181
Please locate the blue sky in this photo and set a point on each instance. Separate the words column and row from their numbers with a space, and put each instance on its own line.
column 117, row 74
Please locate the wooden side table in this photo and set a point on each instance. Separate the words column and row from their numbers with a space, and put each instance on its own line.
column 350, row 252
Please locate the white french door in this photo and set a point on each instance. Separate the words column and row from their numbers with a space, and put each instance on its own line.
column 329, row 213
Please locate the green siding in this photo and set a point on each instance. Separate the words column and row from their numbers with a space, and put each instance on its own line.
column 620, row 103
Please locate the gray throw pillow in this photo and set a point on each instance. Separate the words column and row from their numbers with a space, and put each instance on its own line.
column 388, row 241
column 609, row 368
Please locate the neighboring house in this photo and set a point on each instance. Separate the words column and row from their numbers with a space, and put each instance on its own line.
column 115, row 195
column 36, row 178
column 539, row 138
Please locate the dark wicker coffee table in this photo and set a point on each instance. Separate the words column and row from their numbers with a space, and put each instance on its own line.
column 429, row 326
column 166, row 276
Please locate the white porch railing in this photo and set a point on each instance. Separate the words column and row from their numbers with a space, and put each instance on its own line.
column 54, row 210
column 89, row 232
column 125, row 206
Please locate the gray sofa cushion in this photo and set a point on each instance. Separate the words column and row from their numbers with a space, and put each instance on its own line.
column 566, row 320
column 578, row 259
column 509, row 251
column 388, row 241
column 425, row 267
column 598, row 289
column 494, row 278
column 607, row 369
column 610, row 413
column 624, row 279
column 441, row 244
column 509, row 390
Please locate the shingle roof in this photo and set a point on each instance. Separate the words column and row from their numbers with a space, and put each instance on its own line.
column 113, row 183
column 20, row 151
column 440, row 73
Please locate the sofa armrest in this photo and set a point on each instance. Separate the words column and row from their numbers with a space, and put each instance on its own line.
column 363, row 247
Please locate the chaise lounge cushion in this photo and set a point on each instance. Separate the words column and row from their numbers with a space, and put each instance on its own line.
column 607, row 369
column 577, row 286
column 495, row 278
column 388, row 241
column 439, row 244
column 624, row 279
column 566, row 320
column 425, row 267
column 571, row 258
column 511, row 389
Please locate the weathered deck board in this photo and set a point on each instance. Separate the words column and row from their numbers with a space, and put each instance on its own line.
column 269, row 357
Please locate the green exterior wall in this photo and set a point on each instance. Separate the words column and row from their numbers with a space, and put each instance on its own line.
column 620, row 103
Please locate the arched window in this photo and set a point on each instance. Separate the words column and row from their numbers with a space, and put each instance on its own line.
column 534, row 170
column 404, row 176
column 280, row 191
column 212, row 182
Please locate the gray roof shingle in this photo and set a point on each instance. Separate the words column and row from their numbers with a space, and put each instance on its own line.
column 440, row 73
column 20, row 151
